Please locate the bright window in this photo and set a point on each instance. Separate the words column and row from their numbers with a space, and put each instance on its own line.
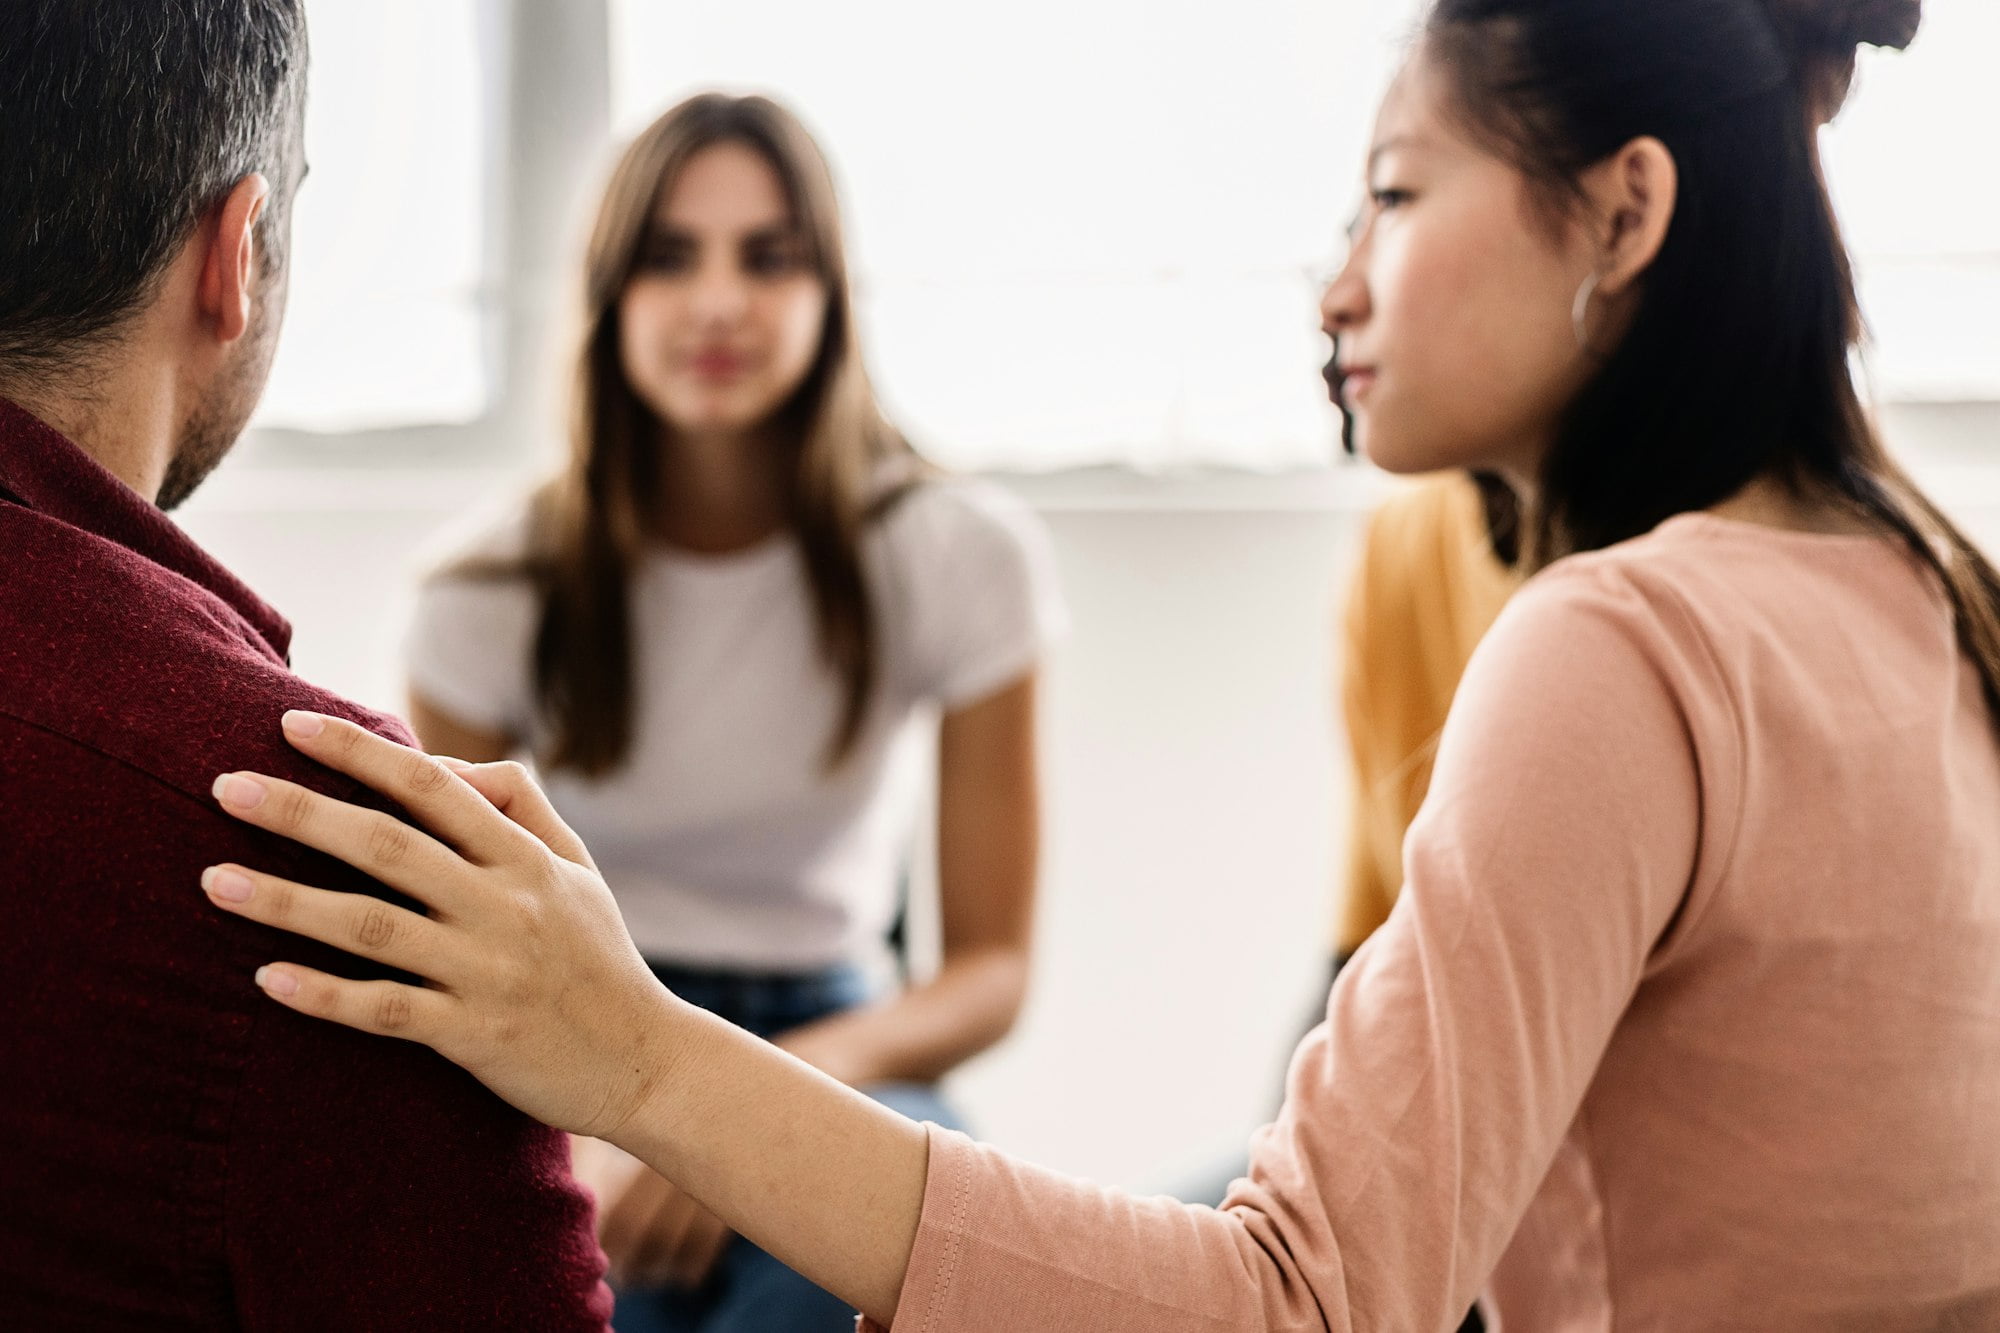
column 1910, row 164
column 385, row 325
column 1083, row 230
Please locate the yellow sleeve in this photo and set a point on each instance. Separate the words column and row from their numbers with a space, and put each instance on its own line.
column 1424, row 591
column 1372, row 627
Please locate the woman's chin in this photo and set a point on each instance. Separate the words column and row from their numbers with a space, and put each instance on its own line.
column 1405, row 453
column 716, row 418
column 1400, row 456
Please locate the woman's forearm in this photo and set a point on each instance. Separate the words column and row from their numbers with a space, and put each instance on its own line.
column 921, row 1034
column 827, row 1181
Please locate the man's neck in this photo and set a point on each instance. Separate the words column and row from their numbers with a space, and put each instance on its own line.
column 123, row 415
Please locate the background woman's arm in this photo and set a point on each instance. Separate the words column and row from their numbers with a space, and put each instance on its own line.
column 988, row 851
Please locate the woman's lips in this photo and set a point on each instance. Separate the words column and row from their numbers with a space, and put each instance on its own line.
column 1355, row 384
column 717, row 365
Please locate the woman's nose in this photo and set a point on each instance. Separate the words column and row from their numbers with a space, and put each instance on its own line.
column 720, row 293
column 1344, row 303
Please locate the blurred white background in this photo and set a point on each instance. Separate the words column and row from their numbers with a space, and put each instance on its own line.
column 1083, row 231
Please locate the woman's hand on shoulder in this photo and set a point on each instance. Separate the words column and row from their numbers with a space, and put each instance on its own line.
column 530, row 980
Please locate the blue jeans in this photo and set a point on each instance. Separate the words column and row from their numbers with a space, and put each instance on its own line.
column 749, row 1291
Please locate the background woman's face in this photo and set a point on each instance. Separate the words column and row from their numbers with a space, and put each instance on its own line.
column 1454, row 308
column 724, row 314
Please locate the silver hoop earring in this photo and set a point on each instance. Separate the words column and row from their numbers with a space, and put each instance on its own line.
column 1579, row 311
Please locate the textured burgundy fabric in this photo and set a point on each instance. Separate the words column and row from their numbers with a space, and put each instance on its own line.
column 181, row 1153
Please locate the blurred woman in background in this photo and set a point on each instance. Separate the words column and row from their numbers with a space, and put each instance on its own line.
column 729, row 633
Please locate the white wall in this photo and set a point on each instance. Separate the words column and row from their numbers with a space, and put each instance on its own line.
column 1194, row 801
column 1191, row 788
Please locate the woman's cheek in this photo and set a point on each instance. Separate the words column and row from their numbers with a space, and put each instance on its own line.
column 643, row 336
column 645, row 317
column 634, row 331
column 804, row 322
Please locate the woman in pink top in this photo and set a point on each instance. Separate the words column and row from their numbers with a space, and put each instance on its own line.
column 1689, row 1016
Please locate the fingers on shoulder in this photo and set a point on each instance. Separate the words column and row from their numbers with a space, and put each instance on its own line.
column 381, row 1008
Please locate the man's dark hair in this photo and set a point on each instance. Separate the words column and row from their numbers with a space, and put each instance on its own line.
column 122, row 122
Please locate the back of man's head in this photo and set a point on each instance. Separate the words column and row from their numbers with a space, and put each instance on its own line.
column 122, row 124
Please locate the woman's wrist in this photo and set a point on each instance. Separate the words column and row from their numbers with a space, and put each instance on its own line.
column 654, row 1063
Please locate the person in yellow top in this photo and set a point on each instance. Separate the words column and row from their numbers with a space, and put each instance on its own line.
column 1433, row 574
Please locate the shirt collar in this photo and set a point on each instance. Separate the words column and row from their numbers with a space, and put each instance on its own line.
column 44, row 471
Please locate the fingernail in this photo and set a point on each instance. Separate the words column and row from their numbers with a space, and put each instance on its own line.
column 281, row 984
column 456, row 765
column 229, row 885
column 305, row 726
column 245, row 793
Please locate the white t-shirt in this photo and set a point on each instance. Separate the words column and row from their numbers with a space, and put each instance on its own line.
column 723, row 836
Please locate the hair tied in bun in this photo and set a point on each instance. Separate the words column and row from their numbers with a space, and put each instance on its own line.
column 1835, row 26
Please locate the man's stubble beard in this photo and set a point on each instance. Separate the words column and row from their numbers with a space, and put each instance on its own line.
column 218, row 420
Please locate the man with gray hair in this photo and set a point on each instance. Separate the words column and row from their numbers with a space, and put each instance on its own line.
column 182, row 1154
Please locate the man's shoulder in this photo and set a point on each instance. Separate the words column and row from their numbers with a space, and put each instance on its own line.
column 177, row 1115
column 142, row 667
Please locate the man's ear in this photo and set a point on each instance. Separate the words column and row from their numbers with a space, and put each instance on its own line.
column 1633, row 194
column 229, row 270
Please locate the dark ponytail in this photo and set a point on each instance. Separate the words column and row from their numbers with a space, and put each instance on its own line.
column 1822, row 37
column 1839, row 26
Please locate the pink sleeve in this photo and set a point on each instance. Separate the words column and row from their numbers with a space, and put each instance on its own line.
column 1558, row 843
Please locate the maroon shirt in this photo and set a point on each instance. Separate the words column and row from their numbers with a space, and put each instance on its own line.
column 180, row 1152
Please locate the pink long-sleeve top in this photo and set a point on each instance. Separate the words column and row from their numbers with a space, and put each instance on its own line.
column 1689, row 1016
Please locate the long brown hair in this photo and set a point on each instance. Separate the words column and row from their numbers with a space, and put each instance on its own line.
column 1736, row 364
column 591, row 524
